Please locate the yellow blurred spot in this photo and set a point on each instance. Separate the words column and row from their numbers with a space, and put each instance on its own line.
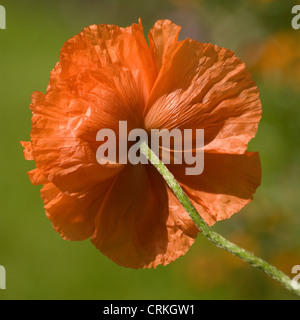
column 280, row 57
column 206, row 271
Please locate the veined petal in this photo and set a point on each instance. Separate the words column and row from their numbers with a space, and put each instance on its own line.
column 206, row 87
column 96, row 84
column 162, row 35
column 140, row 230
column 60, row 152
column 226, row 185
column 121, row 55
column 73, row 218
column 36, row 177
column 27, row 150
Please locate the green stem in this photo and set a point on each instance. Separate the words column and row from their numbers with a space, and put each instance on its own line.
column 214, row 237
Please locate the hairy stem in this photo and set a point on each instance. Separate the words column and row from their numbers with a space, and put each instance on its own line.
column 214, row 237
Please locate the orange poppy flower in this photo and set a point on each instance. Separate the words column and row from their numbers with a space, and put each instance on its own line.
column 106, row 74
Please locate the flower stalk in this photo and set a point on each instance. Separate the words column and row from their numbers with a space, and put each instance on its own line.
column 211, row 235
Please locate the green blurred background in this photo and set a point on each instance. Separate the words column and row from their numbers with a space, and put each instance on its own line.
column 41, row 265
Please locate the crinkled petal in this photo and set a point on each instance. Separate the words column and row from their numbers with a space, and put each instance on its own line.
column 36, row 177
column 182, row 230
column 136, row 227
column 162, row 35
column 96, row 84
column 120, row 54
column 60, row 154
column 73, row 218
column 27, row 150
column 203, row 86
column 226, row 185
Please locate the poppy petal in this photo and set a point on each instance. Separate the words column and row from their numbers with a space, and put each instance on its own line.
column 27, row 150
column 138, row 230
column 162, row 35
column 72, row 217
column 226, row 185
column 36, row 177
column 120, row 54
column 206, row 87
column 182, row 230
column 95, row 84
column 61, row 153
